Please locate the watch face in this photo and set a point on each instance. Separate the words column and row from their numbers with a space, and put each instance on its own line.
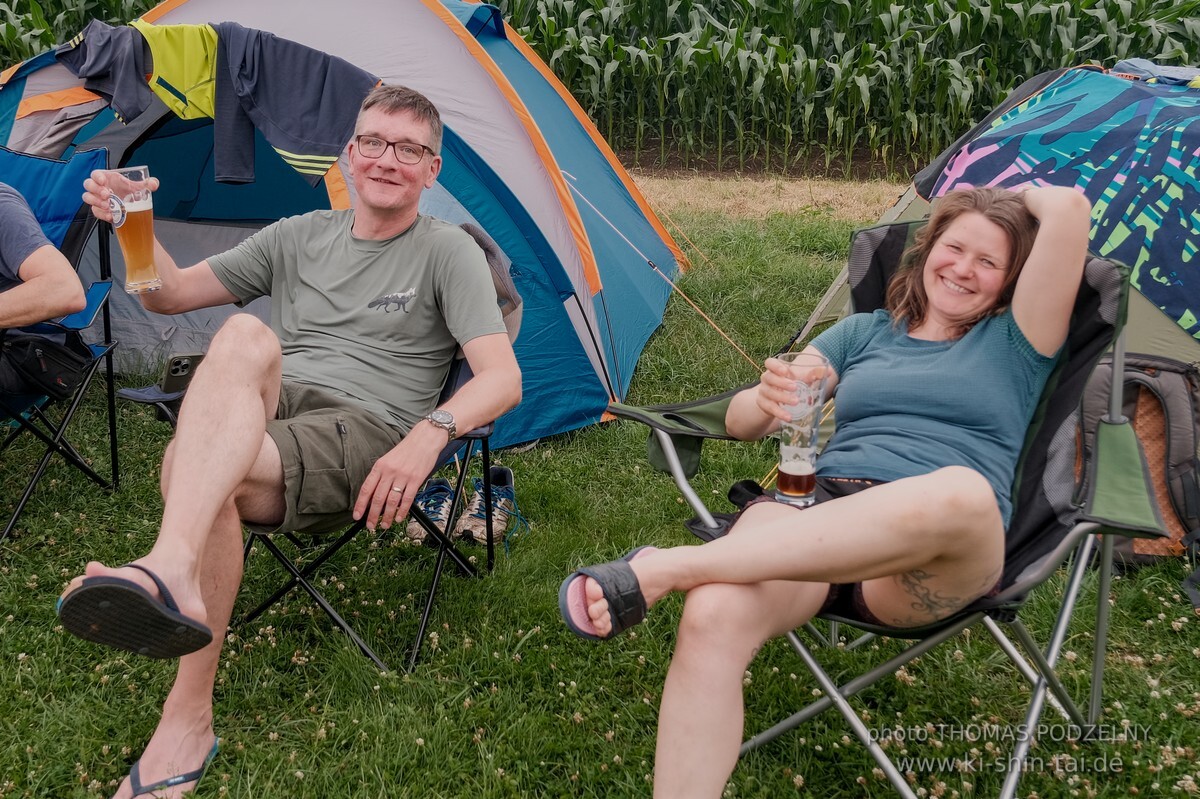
column 441, row 417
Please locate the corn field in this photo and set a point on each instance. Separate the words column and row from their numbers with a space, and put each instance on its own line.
column 779, row 83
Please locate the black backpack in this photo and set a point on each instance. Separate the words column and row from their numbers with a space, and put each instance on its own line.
column 1162, row 400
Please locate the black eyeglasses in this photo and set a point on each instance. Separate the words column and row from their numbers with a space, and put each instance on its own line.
column 407, row 152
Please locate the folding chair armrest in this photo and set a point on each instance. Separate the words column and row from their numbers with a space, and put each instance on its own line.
column 702, row 418
column 479, row 433
column 678, row 431
column 149, row 395
column 1120, row 492
column 166, row 403
column 96, row 296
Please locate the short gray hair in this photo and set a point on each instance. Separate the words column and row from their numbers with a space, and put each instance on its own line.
column 396, row 99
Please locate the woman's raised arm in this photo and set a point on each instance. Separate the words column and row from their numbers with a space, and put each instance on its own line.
column 1046, row 288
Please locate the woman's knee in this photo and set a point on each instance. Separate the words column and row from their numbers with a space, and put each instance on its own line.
column 964, row 493
column 723, row 615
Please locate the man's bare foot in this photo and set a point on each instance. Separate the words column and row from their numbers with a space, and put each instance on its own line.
column 183, row 589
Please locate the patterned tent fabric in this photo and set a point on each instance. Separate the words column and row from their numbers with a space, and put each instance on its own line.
column 1133, row 148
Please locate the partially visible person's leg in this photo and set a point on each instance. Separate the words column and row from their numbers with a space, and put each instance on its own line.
column 220, row 467
column 701, row 716
column 267, row 498
column 942, row 529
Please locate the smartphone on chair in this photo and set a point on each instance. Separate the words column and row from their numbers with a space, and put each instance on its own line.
column 179, row 370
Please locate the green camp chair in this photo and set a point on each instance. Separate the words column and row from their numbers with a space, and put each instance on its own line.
column 1051, row 525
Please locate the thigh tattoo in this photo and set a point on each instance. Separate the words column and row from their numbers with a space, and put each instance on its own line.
column 925, row 599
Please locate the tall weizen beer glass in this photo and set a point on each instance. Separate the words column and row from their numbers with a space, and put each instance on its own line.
column 133, row 219
column 797, row 478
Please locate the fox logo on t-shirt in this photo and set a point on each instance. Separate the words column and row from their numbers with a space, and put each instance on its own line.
column 398, row 298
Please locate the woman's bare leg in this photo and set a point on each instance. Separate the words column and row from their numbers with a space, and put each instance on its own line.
column 937, row 539
column 923, row 548
column 701, row 717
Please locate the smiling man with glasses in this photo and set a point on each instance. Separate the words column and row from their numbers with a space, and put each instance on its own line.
column 335, row 399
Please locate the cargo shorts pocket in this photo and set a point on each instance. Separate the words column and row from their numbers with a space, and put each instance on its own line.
column 325, row 480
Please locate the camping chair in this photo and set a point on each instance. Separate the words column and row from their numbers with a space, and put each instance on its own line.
column 1050, row 523
column 53, row 188
column 459, row 451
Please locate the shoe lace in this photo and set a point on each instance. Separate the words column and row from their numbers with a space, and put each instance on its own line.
column 435, row 501
column 500, row 515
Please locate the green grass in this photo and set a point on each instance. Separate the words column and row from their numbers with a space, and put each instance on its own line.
column 506, row 702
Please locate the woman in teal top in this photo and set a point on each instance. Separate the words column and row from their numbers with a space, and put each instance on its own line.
column 913, row 488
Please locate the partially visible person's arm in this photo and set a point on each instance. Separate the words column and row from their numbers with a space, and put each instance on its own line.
column 49, row 288
column 495, row 387
column 182, row 289
column 1046, row 289
column 757, row 411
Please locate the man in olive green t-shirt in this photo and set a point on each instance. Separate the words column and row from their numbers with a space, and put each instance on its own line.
column 336, row 396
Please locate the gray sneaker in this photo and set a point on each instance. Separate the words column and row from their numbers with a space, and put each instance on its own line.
column 434, row 499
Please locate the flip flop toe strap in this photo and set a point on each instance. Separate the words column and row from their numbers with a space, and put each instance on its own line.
column 626, row 605
column 167, row 599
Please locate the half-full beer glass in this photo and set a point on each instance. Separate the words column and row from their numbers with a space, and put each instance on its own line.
column 797, row 478
column 133, row 219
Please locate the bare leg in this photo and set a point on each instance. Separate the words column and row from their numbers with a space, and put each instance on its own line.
column 701, row 716
column 222, row 427
column 937, row 539
column 220, row 468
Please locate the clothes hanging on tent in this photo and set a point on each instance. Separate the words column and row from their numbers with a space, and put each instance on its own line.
column 185, row 65
column 305, row 102
column 113, row 63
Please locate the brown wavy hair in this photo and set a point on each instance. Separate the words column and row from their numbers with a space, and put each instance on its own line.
column 906, row 298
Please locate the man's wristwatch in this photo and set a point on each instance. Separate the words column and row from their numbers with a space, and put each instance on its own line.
column 444, row 420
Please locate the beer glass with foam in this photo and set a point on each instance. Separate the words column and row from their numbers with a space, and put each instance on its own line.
column 797, row 478
column 133, row 218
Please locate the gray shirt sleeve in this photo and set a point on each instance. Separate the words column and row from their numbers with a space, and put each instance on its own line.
column 20, row 235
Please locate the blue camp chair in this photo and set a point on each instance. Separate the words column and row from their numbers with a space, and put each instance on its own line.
column 53, row 189
column 1052, row 524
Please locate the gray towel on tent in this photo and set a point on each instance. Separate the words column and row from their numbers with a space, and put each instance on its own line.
column 303, row 101
column 114, row 63
column 1147, row 70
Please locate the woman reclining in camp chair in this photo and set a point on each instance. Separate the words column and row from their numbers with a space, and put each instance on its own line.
column 912, row 488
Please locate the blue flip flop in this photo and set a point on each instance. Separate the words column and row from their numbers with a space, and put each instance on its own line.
column 626, row 605
column 135, row 781
column 117, row 612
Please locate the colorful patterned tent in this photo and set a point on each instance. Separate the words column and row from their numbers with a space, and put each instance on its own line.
column 1132, row 145
column 521, row 160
